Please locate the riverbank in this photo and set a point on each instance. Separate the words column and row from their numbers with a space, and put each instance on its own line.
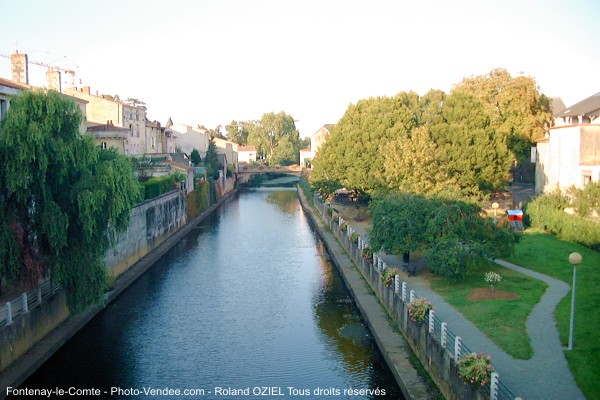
column 21, row 369
column 391, row 343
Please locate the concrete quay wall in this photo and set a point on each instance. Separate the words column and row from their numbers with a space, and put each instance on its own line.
column 155, row 227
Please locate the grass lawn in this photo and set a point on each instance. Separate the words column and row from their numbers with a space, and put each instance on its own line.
column 546, row 254
column 503, row 321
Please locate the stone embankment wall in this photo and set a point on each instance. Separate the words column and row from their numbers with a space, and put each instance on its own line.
column 151, row 223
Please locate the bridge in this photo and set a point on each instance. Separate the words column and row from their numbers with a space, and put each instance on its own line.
column 295, row 169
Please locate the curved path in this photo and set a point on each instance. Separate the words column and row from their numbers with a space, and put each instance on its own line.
column 544, row 376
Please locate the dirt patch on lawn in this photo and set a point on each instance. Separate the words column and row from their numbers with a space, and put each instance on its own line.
column 479, row 294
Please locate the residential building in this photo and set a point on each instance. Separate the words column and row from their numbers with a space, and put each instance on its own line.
column 246, row 154
column 109, row 136
column 187, row 138
column 569, row 155
column 101, row 110
column 316, row 141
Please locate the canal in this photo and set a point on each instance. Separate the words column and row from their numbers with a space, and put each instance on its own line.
column 247, row 302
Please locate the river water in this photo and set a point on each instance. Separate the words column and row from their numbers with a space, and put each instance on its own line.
column 245, row 306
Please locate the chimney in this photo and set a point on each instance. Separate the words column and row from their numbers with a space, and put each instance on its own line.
column 86, row 89
column 53, row 79
column 20, row 68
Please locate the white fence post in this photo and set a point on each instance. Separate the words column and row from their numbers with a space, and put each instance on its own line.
column 396, row 284
column 403, row 291
column 25, row 305
column 444, row 334
column 494, row 386
column 431, row 321
column 457, row 347
column 412, row 296
column 9, row 318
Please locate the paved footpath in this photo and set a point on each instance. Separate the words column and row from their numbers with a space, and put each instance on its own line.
column 546, row 375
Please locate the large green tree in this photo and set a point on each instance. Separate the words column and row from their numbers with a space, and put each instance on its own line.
column 519, row 112
column 60, row 196
column 275, row 136
column 237, row 132
column 454, row 151
column 452, row 235
column 353, row 154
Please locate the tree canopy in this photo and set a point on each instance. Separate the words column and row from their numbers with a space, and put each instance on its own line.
column 59, row 195
column 276, row 137
column 435, row 143
column 519, row 112
column 451, row 234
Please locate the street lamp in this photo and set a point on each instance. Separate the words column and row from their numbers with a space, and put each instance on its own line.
column 495, row 207
column 574, row 259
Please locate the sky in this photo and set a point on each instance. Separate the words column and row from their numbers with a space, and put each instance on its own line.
column 208, row 62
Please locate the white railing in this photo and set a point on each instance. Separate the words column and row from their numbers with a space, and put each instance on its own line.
column 26, row 302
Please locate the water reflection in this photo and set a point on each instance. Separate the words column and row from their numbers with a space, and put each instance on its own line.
column 245, row 299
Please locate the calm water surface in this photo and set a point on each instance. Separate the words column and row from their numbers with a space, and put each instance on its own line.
column 246, row 300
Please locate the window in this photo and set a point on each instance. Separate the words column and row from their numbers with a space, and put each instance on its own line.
column 586, row 177
column 3, row 108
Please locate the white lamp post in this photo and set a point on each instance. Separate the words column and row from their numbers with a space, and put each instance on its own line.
column 495, row 207
column 574, row 259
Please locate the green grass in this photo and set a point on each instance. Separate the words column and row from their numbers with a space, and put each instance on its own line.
column 503, row 321
column 546, row 254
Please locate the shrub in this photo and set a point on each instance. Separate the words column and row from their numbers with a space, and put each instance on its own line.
column 492, row 278
column 367, row 253
column 344, row 227
column 418, row 309
column 388, row 276
column 354, row 238
column 475, row 369
column 547, row 213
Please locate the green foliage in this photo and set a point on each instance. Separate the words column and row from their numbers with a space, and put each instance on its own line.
column 367, row 253
column 195, row 157
column 276, row 137
column 586, row 200
column 475, row 369
column 389, row 275
column 452, row 234
column 154, row 187
column 325, row 187
column 354, row 238
column 59, row 193
column 237, row 131
column 518, row 111
column 547, row 212
column 432, row 144
column 211, row 161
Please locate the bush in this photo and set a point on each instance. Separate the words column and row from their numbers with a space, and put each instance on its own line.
column 418, row 309
column 389, row 275
column 354, row 238
column 547, row 213
column 367, row 253
column 154, row 187
column 475, row 368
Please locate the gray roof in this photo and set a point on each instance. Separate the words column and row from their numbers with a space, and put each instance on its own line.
column 590, row 105
column 556, row 105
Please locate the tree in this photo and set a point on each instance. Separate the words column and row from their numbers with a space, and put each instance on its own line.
column 59, row 195
column 134, row 102
column 451, row 234
column 354, row 153
column 211, row 161
column 237, row 132
column 195, row 157
column 519, row 112
column 272, row 128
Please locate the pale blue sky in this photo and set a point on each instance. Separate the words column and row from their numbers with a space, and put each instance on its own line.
column 208, row 62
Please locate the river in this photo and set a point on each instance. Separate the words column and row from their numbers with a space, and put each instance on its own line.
column 245, row 303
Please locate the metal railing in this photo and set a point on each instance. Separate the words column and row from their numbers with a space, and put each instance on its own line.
column 26, row 302
column 372, row 269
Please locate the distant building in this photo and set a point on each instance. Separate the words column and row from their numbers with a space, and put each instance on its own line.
column 316, row 141
column 569, row 155
column 102, row 110
column 246, row 154
column 109, row 136
column 187, row 138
